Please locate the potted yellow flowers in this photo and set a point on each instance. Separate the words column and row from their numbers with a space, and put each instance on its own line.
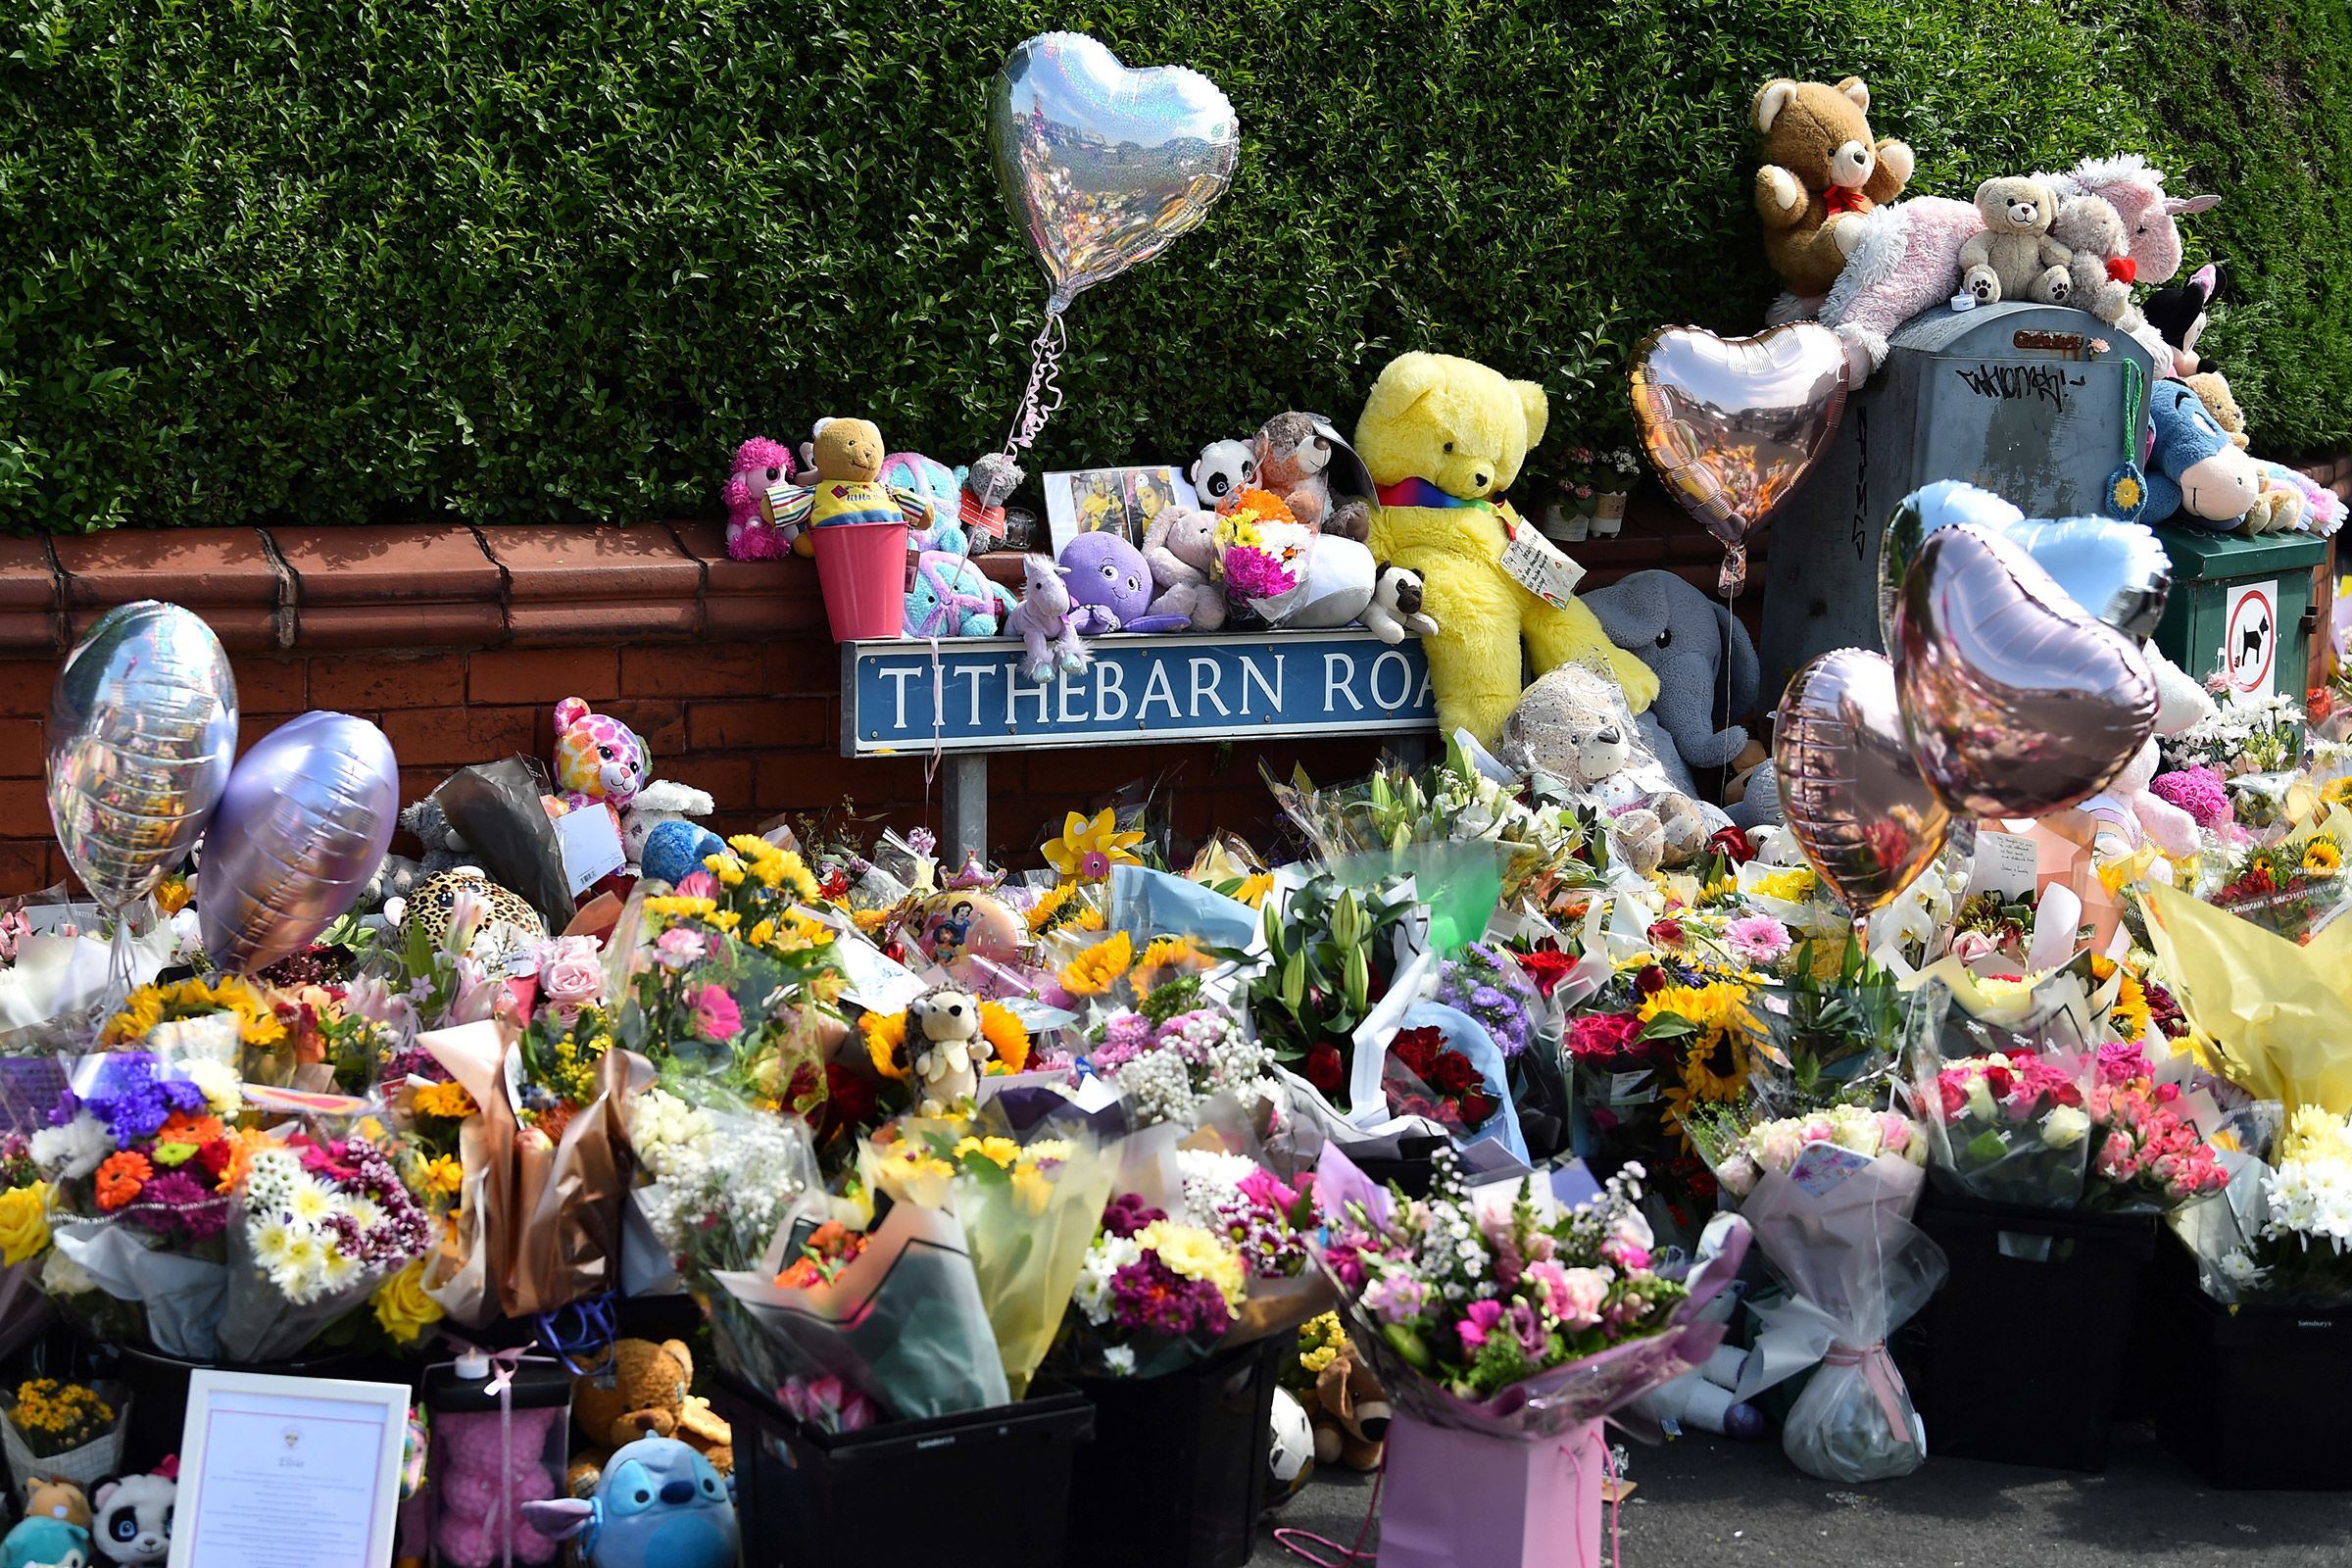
column 62, row 1431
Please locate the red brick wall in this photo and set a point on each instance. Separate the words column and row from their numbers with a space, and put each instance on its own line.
column 459, row 642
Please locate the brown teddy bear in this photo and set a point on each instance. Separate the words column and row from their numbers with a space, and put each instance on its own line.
column 639, row 1390
column 1296, row 454
column 1821, row 167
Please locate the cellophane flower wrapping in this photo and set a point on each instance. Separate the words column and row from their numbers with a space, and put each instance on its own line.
column 1507, row 1310
column 2001, row 1072
column 143, row 1159
column 1835, row 1226
column 323, row 1222
column 901, row 1323
column 720, row 1183
column 2281, row 1230
column 1028, row 1203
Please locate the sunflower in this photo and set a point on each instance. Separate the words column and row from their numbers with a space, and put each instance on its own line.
column 1163, row 959
column 1051, row 907
column 1007, row 1035
column 1088, row 850
column 2338, row 791
column 885, row 1037
column 2131, row 1017
column 173, row 895
column 1098, row 967
column 2321, row 857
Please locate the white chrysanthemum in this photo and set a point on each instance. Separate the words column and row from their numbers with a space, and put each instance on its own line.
column 223, row 1093
column 1104, row 1259
column 311, row 1201
column 662, row 1129
column 74, row 1151
column 271, row 1238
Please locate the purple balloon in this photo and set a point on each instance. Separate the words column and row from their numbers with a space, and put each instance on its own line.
column 304, row 823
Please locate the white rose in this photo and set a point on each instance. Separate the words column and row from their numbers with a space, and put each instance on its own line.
column 1737, row 1175
column 2065, row 1127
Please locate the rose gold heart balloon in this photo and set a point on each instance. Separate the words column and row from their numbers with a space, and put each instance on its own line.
column 1849, row 789
column 2018, row 702
column 1733, row 425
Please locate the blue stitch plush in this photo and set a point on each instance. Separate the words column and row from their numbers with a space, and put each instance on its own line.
column 658, row 1504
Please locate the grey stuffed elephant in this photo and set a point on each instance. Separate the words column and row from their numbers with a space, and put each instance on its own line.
column 1685, row 637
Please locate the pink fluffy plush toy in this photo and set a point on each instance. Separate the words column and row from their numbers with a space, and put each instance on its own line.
column 470, row 1529
column 761, row 464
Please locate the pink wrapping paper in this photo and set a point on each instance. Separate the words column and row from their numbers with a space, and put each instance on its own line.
column 1463, row 1499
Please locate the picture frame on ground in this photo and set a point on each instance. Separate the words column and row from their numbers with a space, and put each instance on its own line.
column 1123, row 499
column 255, row 1445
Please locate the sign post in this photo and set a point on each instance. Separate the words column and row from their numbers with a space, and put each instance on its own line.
column 964, row 699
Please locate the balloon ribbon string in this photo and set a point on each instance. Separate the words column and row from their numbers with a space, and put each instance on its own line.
column 1044, row 397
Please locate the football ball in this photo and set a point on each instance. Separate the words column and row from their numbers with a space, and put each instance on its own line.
column 1291, row 1457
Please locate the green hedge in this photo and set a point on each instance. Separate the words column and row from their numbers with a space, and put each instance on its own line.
column 512, row 260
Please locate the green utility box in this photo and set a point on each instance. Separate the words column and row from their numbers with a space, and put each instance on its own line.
column 2242, row 605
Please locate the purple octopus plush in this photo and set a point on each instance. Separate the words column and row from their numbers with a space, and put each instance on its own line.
column 1110, row 586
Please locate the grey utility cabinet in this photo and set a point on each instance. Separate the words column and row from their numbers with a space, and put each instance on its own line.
column 2009, row 397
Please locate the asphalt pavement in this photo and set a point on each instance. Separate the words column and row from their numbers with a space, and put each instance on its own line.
column 1706, row 1501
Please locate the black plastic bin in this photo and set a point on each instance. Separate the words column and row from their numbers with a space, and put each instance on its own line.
column 2020, row 1357
column 2256, row 1395
column 982, row 1489
column 1177, row 1474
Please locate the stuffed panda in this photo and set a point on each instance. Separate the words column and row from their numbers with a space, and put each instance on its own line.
column 1223, row 471
column 130, row 1519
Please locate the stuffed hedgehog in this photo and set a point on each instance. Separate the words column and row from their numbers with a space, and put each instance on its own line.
column 761, row 464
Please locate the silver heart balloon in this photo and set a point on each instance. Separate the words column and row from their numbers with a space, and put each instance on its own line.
column 143, row 731
column 1103, row 166
column 2115, row 569
column 1849, row 792
column 305, row 822
column 2017, row 701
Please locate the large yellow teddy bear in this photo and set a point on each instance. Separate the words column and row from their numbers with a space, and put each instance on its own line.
column 1444, row 438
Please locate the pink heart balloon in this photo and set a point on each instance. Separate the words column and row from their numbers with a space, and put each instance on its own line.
column 1849, row 791
column 2018, row 702
column 1733, row 425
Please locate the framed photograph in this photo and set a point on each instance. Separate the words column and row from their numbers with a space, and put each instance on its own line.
column 288, row 1472
column 1123, row 499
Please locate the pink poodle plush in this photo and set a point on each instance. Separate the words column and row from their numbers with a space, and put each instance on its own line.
column 761, row 464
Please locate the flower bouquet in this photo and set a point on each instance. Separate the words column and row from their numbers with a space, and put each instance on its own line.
column 2291, row 889
column 323, row 1224
column 2148, row 1152
column 1504, row 1323
column 721, row 1183
column 143, row 1165
column 1167, row 1064
column 1263, row 553
column 1830, row 1195
column 2283, row 1232
column 23, row 1243
column 2010, row 1127
column 55, row 1431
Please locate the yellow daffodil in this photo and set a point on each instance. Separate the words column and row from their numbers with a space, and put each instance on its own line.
column 1255, row 888
column 1087, row 848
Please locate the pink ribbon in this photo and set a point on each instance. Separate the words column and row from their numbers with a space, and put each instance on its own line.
column 503, row 1364
column 1884, row 1379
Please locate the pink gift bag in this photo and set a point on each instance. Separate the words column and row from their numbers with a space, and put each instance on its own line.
column 1463, row 1499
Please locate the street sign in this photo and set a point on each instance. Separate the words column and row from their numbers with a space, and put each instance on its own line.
column 967, row 694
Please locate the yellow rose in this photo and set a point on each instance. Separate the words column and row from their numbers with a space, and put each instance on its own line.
column 23, row 1223
column 403, row 1307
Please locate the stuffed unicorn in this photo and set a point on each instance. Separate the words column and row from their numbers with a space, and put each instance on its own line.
column 952, row 598
column 1044, row 622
